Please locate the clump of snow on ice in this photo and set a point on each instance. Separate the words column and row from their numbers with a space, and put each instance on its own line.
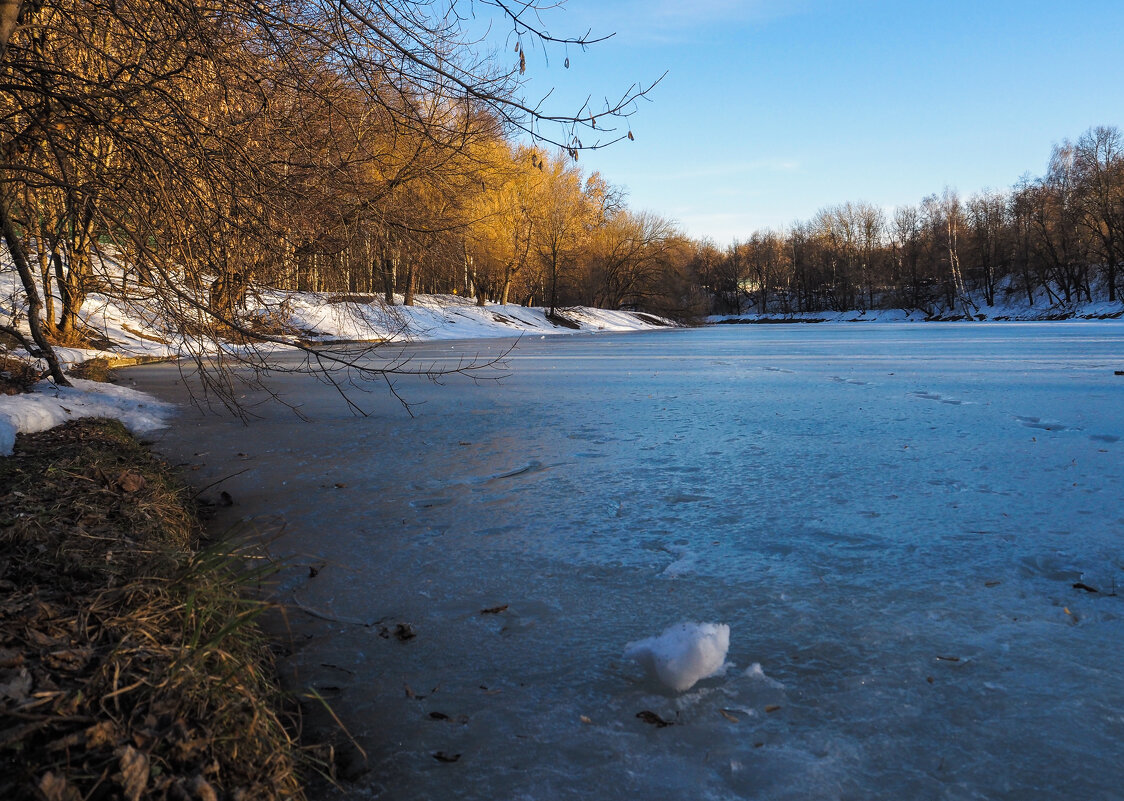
column 51, row 405
column 684, row 654
column 757, row 674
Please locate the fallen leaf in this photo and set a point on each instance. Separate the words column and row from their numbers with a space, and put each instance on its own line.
column 585, row 720
column 653, row 719
column 494, row 610
column 131, row 481
column 339, row 485
column 100, row 735
column 133, row 777
column 56, row 788
column 771, row 708
column 69, row 659
column 726, row 714
column 203, row 790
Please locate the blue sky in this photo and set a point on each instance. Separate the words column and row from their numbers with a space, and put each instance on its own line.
column 772, row 110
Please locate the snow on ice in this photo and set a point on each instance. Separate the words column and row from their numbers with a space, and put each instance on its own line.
column 684, row 654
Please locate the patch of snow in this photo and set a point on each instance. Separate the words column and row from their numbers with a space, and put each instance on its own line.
column 1011, row 303
column 686, row 562
column 757, row 674
column 684, row 654
column 51, row 405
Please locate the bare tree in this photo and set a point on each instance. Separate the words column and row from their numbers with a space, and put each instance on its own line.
column 1098, row 160
column 182, row 132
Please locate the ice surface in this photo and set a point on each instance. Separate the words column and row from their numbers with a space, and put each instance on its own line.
column 901, row 567
column 684, row 654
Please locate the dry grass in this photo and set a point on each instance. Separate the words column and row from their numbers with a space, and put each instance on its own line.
column 130, row 667
column 98, row 369
column 16, row 375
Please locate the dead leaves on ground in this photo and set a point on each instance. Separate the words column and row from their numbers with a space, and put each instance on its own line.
column 96, row 537
column 133, row 777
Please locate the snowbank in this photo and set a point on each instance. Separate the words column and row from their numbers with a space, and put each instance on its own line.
column 135, row 330
column 324, row 319
column 1016, row 307
column 50, row 405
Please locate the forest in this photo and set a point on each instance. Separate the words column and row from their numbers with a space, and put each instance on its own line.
column 1051, row 240
column 184, row 157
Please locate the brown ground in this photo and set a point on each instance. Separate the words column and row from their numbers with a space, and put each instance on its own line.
column 130, row 666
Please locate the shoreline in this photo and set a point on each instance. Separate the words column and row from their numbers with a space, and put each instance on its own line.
column 132, row 656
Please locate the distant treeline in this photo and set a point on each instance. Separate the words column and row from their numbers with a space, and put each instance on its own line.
column 539, row 231
column 1054, row 239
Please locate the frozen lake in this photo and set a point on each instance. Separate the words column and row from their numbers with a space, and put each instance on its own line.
column 890, row 518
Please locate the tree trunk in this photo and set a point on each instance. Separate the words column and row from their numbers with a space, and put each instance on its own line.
column 34, row 305
column 507, row 274
column 411, row 280
column 9, row 19
column 553, row 285
column 72, row 291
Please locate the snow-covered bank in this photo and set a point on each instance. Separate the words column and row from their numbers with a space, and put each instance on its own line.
column 1010, row 305
column 326, row 319
column 127, row 333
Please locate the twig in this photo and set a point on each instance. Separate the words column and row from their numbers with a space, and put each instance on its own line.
column 213, row 483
